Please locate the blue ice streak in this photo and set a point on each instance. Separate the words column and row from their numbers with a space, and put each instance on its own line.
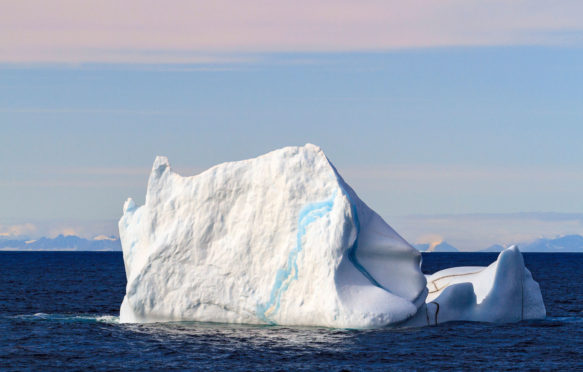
column 283, row 278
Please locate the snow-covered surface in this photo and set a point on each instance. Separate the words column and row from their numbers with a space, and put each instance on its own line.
column 282, row 239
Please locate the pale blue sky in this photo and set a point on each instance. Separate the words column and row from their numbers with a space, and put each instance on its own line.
column 420, row 130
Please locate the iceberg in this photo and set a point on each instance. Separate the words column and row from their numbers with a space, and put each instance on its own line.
column 283, row 239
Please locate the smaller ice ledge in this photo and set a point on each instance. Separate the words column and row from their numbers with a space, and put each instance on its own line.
column 502, row 292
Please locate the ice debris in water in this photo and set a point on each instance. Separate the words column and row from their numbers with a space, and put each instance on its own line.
column 282, row 239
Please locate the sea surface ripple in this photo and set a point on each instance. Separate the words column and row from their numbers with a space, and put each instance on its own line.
column 60, row 311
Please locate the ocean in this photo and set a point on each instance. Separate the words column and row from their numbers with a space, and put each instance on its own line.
column 58, row 310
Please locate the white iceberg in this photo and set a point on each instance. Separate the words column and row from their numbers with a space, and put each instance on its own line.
column 279, row 239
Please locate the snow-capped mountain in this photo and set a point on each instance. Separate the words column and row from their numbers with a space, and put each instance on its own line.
column 439, row 247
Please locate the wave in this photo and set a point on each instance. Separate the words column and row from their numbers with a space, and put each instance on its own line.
column 70, row 317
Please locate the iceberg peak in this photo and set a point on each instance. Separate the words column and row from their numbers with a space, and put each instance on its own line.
column 161, row 163
column 129, row 205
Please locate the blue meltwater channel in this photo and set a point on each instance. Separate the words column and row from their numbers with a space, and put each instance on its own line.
column 284, row 277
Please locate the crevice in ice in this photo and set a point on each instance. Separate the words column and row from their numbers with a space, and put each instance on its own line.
column 434, row 284
column 352, row 250
column 427, row 315
column 284, row 277
column 434, row 314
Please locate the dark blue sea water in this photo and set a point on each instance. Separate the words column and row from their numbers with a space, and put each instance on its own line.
column 59, row 311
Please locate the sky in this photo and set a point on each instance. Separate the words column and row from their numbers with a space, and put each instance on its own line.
column 455, row 120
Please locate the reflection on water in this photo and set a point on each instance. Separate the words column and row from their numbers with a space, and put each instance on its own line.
column 249, row 335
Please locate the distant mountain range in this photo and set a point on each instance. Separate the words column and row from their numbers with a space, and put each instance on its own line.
column 63, row 243
column 497, row 248
column 440, row 247
column 567, row 243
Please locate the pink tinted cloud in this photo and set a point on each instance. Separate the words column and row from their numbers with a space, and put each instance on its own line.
column 183, row 31
column 11, row 231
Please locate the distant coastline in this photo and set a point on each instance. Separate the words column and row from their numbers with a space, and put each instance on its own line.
column 567, row 243
column 63, row 243
column 563, row 244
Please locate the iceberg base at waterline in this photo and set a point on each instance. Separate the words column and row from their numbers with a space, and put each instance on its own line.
column 283, row 239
